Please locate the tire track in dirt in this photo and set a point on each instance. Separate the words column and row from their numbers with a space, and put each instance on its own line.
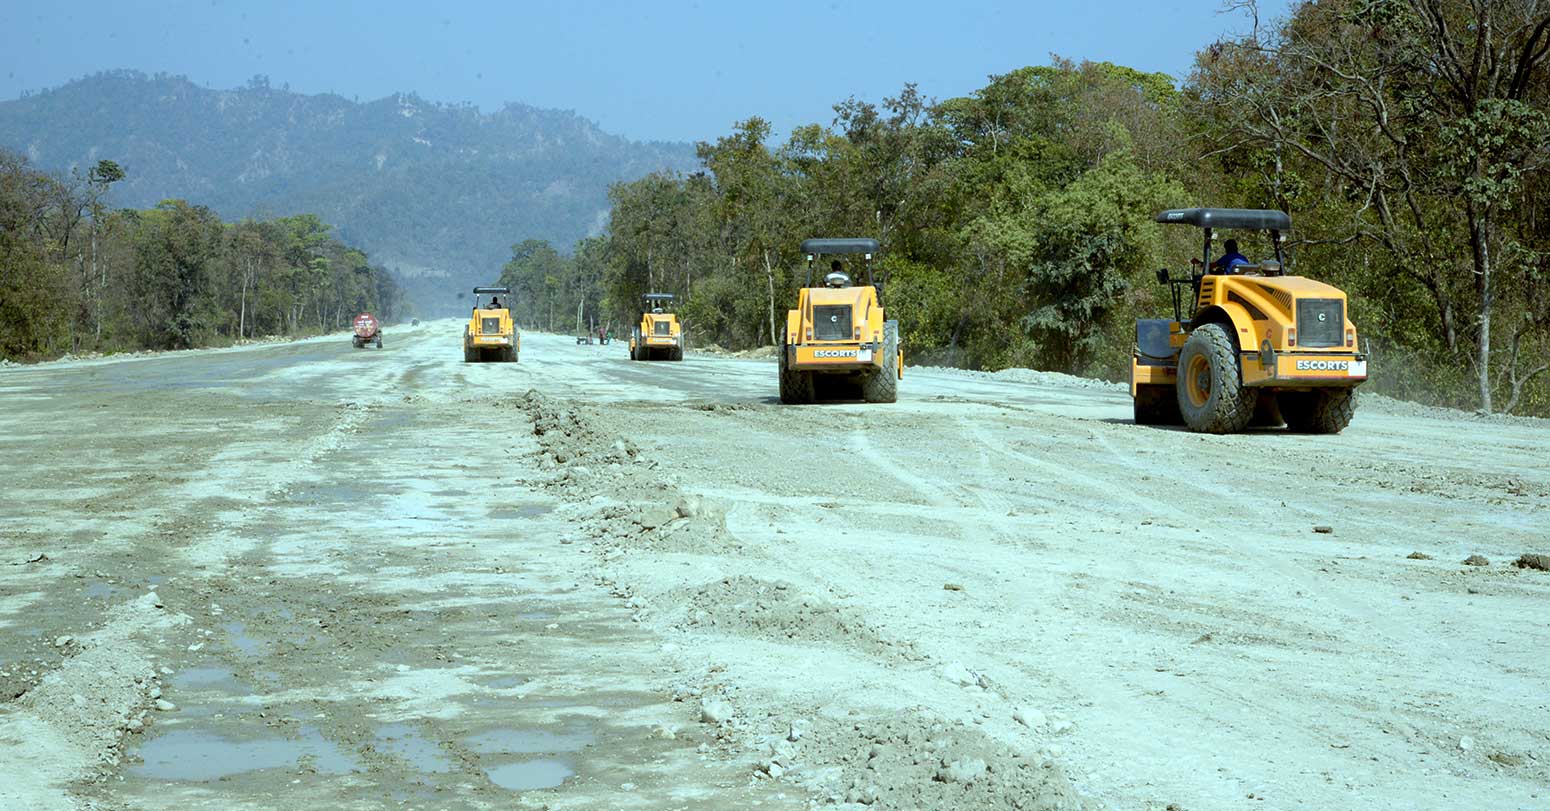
column 840, row 754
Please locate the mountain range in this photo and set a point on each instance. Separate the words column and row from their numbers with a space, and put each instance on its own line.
column 437, row 192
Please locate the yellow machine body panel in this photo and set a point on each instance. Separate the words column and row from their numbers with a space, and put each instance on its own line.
column 658, row 330
column 491, row 329
column 491, row 335
column 836, row 330
column 1291, row 331
column 1247, row 346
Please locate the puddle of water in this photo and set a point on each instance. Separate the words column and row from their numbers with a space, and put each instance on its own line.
column 403, row 742
column 201, row 755
column 237, row 637
column 208, row 691
column 99, row 590
column 530, row 774
column 395, row 419
column 524, row 511
column 451, row 493
column 84, row 535
column 507, row 741
column 506, row 682
column 209, row 678
column 322, row 493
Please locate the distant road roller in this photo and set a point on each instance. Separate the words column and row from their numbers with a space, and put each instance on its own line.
column 838, row 342
column 1248, row 344
column 490, row 334
column 658, row 336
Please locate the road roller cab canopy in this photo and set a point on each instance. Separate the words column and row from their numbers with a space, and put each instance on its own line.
column 1239, row 219
column 1246, row 219
column 865, row 247
column 493, row 292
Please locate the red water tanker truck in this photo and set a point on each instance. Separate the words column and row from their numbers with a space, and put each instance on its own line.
column 367, row 331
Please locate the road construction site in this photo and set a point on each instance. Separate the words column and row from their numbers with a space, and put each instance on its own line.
column 313, row 576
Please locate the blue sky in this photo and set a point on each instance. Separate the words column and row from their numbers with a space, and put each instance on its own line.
column 648, row 70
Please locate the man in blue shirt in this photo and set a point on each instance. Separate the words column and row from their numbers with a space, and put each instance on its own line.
column 1230, row 259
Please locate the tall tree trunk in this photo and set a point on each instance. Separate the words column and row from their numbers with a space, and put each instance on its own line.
column 769, row 278
column 95, row 265
column 242, row 317
column 1479, row 225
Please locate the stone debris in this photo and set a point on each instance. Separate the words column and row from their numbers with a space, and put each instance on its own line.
column 715, row 711
column 1536, row 562
column 962, row 770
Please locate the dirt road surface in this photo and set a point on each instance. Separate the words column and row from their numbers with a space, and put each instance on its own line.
column 311, row 576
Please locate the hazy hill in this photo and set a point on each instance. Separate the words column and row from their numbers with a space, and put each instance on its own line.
column 424, row 186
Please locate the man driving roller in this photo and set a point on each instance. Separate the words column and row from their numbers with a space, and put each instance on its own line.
column 1230, row 259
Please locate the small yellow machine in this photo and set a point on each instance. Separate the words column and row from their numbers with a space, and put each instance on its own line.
column 490, row 334
column 659, row 336
column 838, row 342
column 1258, row 347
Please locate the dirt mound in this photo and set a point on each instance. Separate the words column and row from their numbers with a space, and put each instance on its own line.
column 75, row 720
column 1476, row 560
column 569, row 437
column 1409, row 409
column 1054, row 379
column 911, row 762
column 688, row 524
column 727, row 408
column 755, row 352
column 1538, row 562
column 779, row 612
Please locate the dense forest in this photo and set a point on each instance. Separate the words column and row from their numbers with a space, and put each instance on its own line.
column 434, row 191
column 1408, row 139
column 76, row 276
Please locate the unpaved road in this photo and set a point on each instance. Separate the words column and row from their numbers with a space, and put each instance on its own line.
column 368, row 579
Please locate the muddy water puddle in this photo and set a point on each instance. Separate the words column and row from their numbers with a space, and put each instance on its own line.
column 496, row 746
column 404, row 742
column 522, row 511
column 100, row 590
column 346, row 495
column 238, row 638
column 129, row 587
column 511, row 741
column 399, row 418
column 214, row 679
column 198, row 755
column 527, row 775
column 211, row 691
